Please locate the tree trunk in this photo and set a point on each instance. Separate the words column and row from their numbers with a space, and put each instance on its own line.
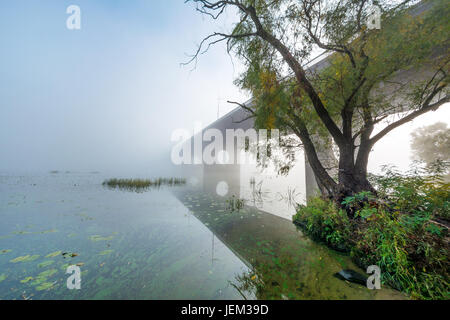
column 353, row 176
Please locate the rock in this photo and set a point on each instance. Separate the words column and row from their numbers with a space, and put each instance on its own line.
column 352, row 276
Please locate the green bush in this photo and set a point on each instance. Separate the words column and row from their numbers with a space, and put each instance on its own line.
column 323, row 221
column 395, row 231
column 421, row 189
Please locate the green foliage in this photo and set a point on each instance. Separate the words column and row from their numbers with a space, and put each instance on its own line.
column 356, row 67
column 323, row 221
column 404, row 41
column 422, row 190
column 396, row 232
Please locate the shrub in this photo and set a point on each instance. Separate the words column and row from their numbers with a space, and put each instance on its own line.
column 323, row 221
column 421, row 189
column 395, row 231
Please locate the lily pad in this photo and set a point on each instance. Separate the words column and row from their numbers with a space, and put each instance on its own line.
column 43, row 276
column 26, row 258
column 96, row 238
column 45, row 286
column 106, row 252
column 49, row 231
column 65, row 266
column 53, row 254
column 22, row 232
column 69, row 254
column 45, row 263
column 26, row 280
column 47, row 273
column 2, row 277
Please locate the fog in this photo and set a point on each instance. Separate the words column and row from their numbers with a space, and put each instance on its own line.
column 107, row 97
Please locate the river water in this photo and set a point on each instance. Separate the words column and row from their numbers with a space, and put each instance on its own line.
column 168, row 243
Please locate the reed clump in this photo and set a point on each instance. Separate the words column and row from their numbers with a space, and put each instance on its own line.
column 143, row 184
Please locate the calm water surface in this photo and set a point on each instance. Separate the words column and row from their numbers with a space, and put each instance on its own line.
column 160, row 244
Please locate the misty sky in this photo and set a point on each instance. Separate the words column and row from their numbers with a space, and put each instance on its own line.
column 107, row 97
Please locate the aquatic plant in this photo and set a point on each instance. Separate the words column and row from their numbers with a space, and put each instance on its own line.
column 41, row 281
column 97, row 238
column 106, row 252
column 69, row 254
column 143, row 184
column 45, row 286
column 26, row 280
column 26, row 258
column 235, row 204
column 53, row 254
column 45, row 264
column 290, row 198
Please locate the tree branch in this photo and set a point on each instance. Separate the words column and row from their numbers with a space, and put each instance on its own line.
column 300, row 75
column 410, row 117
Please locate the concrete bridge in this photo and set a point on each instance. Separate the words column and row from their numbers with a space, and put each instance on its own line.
column 250, row 182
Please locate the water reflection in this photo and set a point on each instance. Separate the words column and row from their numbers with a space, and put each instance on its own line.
column 264, row 188
column 129, row 245
column 177, row 243
column 282, row 262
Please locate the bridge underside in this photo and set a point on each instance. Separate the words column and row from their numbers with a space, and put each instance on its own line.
column 302, row 177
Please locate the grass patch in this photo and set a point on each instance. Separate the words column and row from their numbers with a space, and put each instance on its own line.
column 143, row 184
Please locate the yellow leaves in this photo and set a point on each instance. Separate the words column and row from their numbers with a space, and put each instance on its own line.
column 268, row 80
column 271, row 122
column 322, row 98
column 268, row 93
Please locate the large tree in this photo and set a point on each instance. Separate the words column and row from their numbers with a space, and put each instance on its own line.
column 369, row 75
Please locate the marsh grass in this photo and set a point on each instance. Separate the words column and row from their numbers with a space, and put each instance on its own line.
column 143, row 184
